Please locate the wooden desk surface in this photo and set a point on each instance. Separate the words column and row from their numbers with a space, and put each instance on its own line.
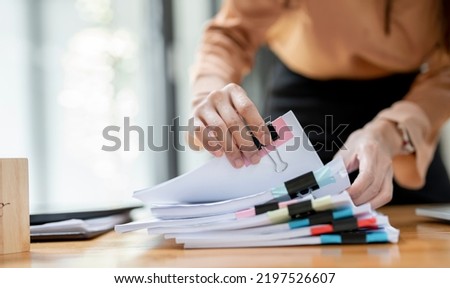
column 423, row 243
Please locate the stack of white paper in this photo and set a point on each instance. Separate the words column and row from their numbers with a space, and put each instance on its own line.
column 260, row 205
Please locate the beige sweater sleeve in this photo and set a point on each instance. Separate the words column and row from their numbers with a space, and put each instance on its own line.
column 423, row 112
column 230, row 42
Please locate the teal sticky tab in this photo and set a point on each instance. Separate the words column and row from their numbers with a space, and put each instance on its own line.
column 376, row 237
column 323, row 176
column 330, row 239
column 279, row 191
column 342, row 213
column 298, row 223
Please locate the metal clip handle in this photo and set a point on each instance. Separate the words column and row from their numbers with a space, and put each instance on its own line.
column 279, row 163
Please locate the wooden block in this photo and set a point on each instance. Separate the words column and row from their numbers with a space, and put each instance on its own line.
column 14, row 206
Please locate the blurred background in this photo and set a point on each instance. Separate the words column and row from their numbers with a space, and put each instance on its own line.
column 69, row 68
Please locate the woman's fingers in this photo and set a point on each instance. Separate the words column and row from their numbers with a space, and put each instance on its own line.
column 348, row 153
column 228, row 120
column 237, row 133
column 385, row 194
column 217, row 132
column 249, row 113
column 372, row 169
column 364, row 151
column 207, row 138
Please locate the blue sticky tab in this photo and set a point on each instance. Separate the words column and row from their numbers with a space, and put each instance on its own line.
column 279, row 191
column 376, row 237
column 342, row 213
column 298, row 223
column 331, row 239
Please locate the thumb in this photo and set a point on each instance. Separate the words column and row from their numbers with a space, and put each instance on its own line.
column 350, row 159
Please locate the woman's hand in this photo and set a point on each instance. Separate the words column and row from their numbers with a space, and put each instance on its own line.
column 371, row 150
column 224, row 118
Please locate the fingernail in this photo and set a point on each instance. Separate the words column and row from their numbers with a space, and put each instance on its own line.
column 238, row 163
column 217, row 153
column 255, row 159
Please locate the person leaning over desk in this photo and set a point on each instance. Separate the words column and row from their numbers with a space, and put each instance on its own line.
column 382, row 67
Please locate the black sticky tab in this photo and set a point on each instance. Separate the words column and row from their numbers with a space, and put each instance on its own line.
column 321, row 218
column 302, row 185
column 346, row 224
column 273, row 133
column 263, row 208
column 301, row 209
column 358, row 237
column 257, row 143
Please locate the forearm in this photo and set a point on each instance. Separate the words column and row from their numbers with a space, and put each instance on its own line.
column 230, row 42
column 432, row 94
column 421, row 114
column 388, row 132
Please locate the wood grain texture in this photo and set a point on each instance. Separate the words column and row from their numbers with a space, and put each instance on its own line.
column 14, row 205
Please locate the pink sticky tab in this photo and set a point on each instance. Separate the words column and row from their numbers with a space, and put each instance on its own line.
column 285, row 134
column 286, row 203
column 245, row 213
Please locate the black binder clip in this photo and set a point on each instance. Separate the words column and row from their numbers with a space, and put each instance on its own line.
column 279, row 163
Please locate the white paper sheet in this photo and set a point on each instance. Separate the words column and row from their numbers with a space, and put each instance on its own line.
column 217, row 180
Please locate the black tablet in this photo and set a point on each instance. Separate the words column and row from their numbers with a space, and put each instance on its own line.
column 52, row 213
